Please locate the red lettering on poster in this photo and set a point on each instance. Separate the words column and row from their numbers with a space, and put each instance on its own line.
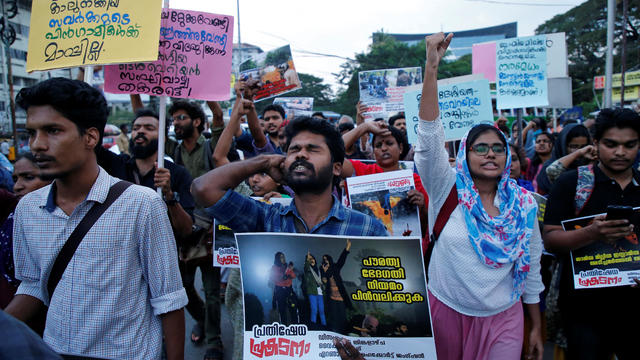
column 279, row 346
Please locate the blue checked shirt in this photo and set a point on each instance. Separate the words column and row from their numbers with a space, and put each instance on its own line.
column 243, row 214
column 121, row 278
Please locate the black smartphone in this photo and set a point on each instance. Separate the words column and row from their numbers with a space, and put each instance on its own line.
column 619, row 212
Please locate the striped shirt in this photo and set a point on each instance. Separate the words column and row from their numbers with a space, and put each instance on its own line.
column 243, row 214
column 123, row 275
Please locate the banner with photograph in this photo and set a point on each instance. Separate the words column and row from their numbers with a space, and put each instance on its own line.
column 275, row 70
column 382, row 91
column 65, row 34
column 384, row 196
column 304, row 290
column 225, row 250
column 599, row 264
column 295, row 106
column 194, row 59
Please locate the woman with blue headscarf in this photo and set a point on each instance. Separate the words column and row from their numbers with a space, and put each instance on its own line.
column 486, row 262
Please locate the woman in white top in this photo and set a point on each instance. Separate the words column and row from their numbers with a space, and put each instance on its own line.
column 486, row 262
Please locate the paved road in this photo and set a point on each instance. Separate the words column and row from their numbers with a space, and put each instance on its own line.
column 193, row 352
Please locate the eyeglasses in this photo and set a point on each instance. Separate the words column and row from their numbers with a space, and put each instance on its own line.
column 482, row 149
column 180, row 117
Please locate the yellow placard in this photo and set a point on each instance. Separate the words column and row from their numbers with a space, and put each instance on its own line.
column 92, row 32
column 630, row 93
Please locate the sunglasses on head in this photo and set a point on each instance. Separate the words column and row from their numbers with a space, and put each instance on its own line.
column 483, row 149
column 180, row 117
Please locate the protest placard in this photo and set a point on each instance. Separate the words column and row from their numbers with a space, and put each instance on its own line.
column 382, row 90
column 275, row 70
column 380, row 280
column 77, row 33
column 521, row 72
column 225, row 250
column 600, row 264
column 462, row 106
column 483, row 59
column 194, row 59
column 295, row 106
column 384, row 196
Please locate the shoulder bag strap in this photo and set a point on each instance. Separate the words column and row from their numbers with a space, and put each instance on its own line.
column 299, row 226
column 69, row 248
column 441, row 220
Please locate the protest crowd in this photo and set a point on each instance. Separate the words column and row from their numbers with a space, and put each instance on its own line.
column 99, row 252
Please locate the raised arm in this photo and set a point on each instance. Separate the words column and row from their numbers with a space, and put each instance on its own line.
column 247, row 89
column 377, row 128
column 431, row 157
column 437, row 45
column 136, row 102
column 240, row 108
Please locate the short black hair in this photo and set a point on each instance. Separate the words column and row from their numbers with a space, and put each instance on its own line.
column 192, row 109
column 392, row 120
column 620, row 118
column 319, row 113
column 578, row 131
column 123, row 126
column 480, row 129
column 150, row 113
column 76, row 100
column 522, row 156
column 274, row 107
column 320, row 127
column 345, row 127
column 400, row 139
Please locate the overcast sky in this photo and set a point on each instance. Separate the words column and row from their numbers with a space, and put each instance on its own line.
column 344, row 27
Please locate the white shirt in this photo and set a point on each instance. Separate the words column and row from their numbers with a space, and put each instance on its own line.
column 458, row 277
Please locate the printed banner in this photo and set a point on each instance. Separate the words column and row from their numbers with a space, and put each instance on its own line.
column 384, row 196
column 599, row 264
column 194, row 59
column 225, row 250
column 374, row 290
column 382, row 90
column 462, row 106
column 71, row 33
column 295, row 106
column 521, row 72
column 275, row 70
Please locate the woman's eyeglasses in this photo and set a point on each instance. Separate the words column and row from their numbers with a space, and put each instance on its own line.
column 482, row 149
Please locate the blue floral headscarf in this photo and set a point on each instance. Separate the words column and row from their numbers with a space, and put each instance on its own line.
column 502, row 240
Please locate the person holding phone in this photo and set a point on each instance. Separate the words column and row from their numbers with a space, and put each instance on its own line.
column 594, row 319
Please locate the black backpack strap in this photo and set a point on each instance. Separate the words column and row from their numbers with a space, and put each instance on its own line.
column 447, row 209
column 72, row 243
column 208, row 155
column 177, row 156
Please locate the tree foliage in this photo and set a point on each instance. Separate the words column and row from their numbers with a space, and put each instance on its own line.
column 388, row 53
column 586, row 31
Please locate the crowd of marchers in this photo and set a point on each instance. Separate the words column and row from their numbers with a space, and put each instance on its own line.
column 95, row 263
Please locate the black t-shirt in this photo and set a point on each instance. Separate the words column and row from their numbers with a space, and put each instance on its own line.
column 180, row 181
column 605, row 302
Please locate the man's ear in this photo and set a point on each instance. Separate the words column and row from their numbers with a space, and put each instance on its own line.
column 337, row 169
column 91, row 138
column 197, row 122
